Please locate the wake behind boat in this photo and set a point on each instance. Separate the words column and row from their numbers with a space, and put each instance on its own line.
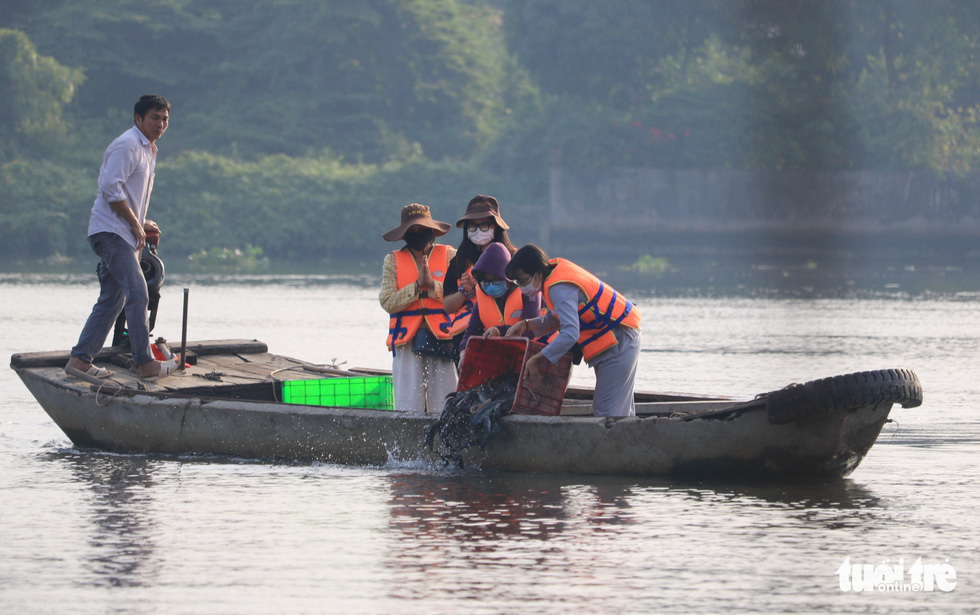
column 230, row 403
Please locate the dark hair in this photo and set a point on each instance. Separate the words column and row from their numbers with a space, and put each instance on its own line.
column 530, row 259
column 468, row 252
column 150, row 102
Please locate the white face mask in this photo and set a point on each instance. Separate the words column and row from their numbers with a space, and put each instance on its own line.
column 531, row 289
column 480, row 238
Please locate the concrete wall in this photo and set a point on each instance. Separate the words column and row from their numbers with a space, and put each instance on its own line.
column 640, row 200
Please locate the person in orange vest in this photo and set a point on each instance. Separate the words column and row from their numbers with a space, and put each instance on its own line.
column 422, row 369
column 499, row 303
column 483, row 226
column 585, row 311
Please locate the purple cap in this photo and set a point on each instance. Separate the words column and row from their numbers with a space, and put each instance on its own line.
column 493, row 260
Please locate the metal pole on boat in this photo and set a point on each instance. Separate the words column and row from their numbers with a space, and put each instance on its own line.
column 183, row 333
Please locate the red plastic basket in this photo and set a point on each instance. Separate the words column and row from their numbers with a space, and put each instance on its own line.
column 487, row 358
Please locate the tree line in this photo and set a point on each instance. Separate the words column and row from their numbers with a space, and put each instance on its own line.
column 303, row 127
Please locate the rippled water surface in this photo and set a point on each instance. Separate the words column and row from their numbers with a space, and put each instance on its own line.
column 85, row 532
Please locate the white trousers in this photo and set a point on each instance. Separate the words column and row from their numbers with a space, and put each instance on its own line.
column 420, row 382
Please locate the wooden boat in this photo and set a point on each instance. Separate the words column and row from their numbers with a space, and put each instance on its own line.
column 228, row 403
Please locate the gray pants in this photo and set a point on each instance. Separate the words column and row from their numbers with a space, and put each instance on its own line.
column 122, row 285
column 615, row 374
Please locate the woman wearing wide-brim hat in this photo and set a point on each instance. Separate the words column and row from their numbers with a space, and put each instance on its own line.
column 422, row 370
column 482, row 225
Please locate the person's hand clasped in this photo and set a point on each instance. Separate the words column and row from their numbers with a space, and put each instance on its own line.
column 467, row 283
column 491, row 332
column 425, row 276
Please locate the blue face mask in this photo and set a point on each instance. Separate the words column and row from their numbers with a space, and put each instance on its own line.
column 494, row 289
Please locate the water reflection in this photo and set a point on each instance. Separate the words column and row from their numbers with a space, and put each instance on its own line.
column 476, row 536
column 474, row 508
column 469, row 534
column 123, row 551
column 830, row 505
column 432, row 512
column 832, row 494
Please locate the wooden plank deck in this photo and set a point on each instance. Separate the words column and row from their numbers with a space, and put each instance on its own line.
column 242, row 369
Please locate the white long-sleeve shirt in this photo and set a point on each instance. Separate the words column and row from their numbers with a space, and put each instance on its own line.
column 127, row 174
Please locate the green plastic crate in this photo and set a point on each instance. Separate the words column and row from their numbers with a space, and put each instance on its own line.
column 367, row 392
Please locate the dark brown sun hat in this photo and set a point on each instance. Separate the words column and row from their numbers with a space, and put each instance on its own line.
column 416, row 214
column 482, row 206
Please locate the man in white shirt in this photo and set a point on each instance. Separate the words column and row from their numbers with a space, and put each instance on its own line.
column 117, row 233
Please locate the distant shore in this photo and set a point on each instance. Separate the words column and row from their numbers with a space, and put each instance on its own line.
column 653, row 266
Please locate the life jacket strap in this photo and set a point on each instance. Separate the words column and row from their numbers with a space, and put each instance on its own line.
column 398, row 331
column 602, row 322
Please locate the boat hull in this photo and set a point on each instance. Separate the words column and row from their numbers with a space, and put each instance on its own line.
column 744, row 444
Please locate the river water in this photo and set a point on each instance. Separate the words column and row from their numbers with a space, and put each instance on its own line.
column 86, row 532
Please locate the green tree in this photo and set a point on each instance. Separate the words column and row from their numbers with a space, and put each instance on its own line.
column 371, row 80
column 634, row 83
column 44, row 208
column 778, row 84
column 34, row 91
column 858, row 84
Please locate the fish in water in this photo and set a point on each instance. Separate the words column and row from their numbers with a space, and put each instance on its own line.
column 470, row 417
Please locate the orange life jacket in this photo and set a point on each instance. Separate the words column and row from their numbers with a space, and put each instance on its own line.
column 546, row 339
column 603, row 311
column 490, row 314
column 513, row 308
column 403, row 324
column 461, row 317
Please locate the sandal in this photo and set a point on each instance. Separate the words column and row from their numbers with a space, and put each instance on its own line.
column 92, row 372
column 166, row 368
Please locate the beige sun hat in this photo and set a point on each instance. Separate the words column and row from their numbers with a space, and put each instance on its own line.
column 416, row 214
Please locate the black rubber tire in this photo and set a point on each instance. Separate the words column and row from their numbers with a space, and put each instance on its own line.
column 843, row 393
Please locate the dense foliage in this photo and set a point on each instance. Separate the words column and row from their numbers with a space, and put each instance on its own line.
column 302, row 127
